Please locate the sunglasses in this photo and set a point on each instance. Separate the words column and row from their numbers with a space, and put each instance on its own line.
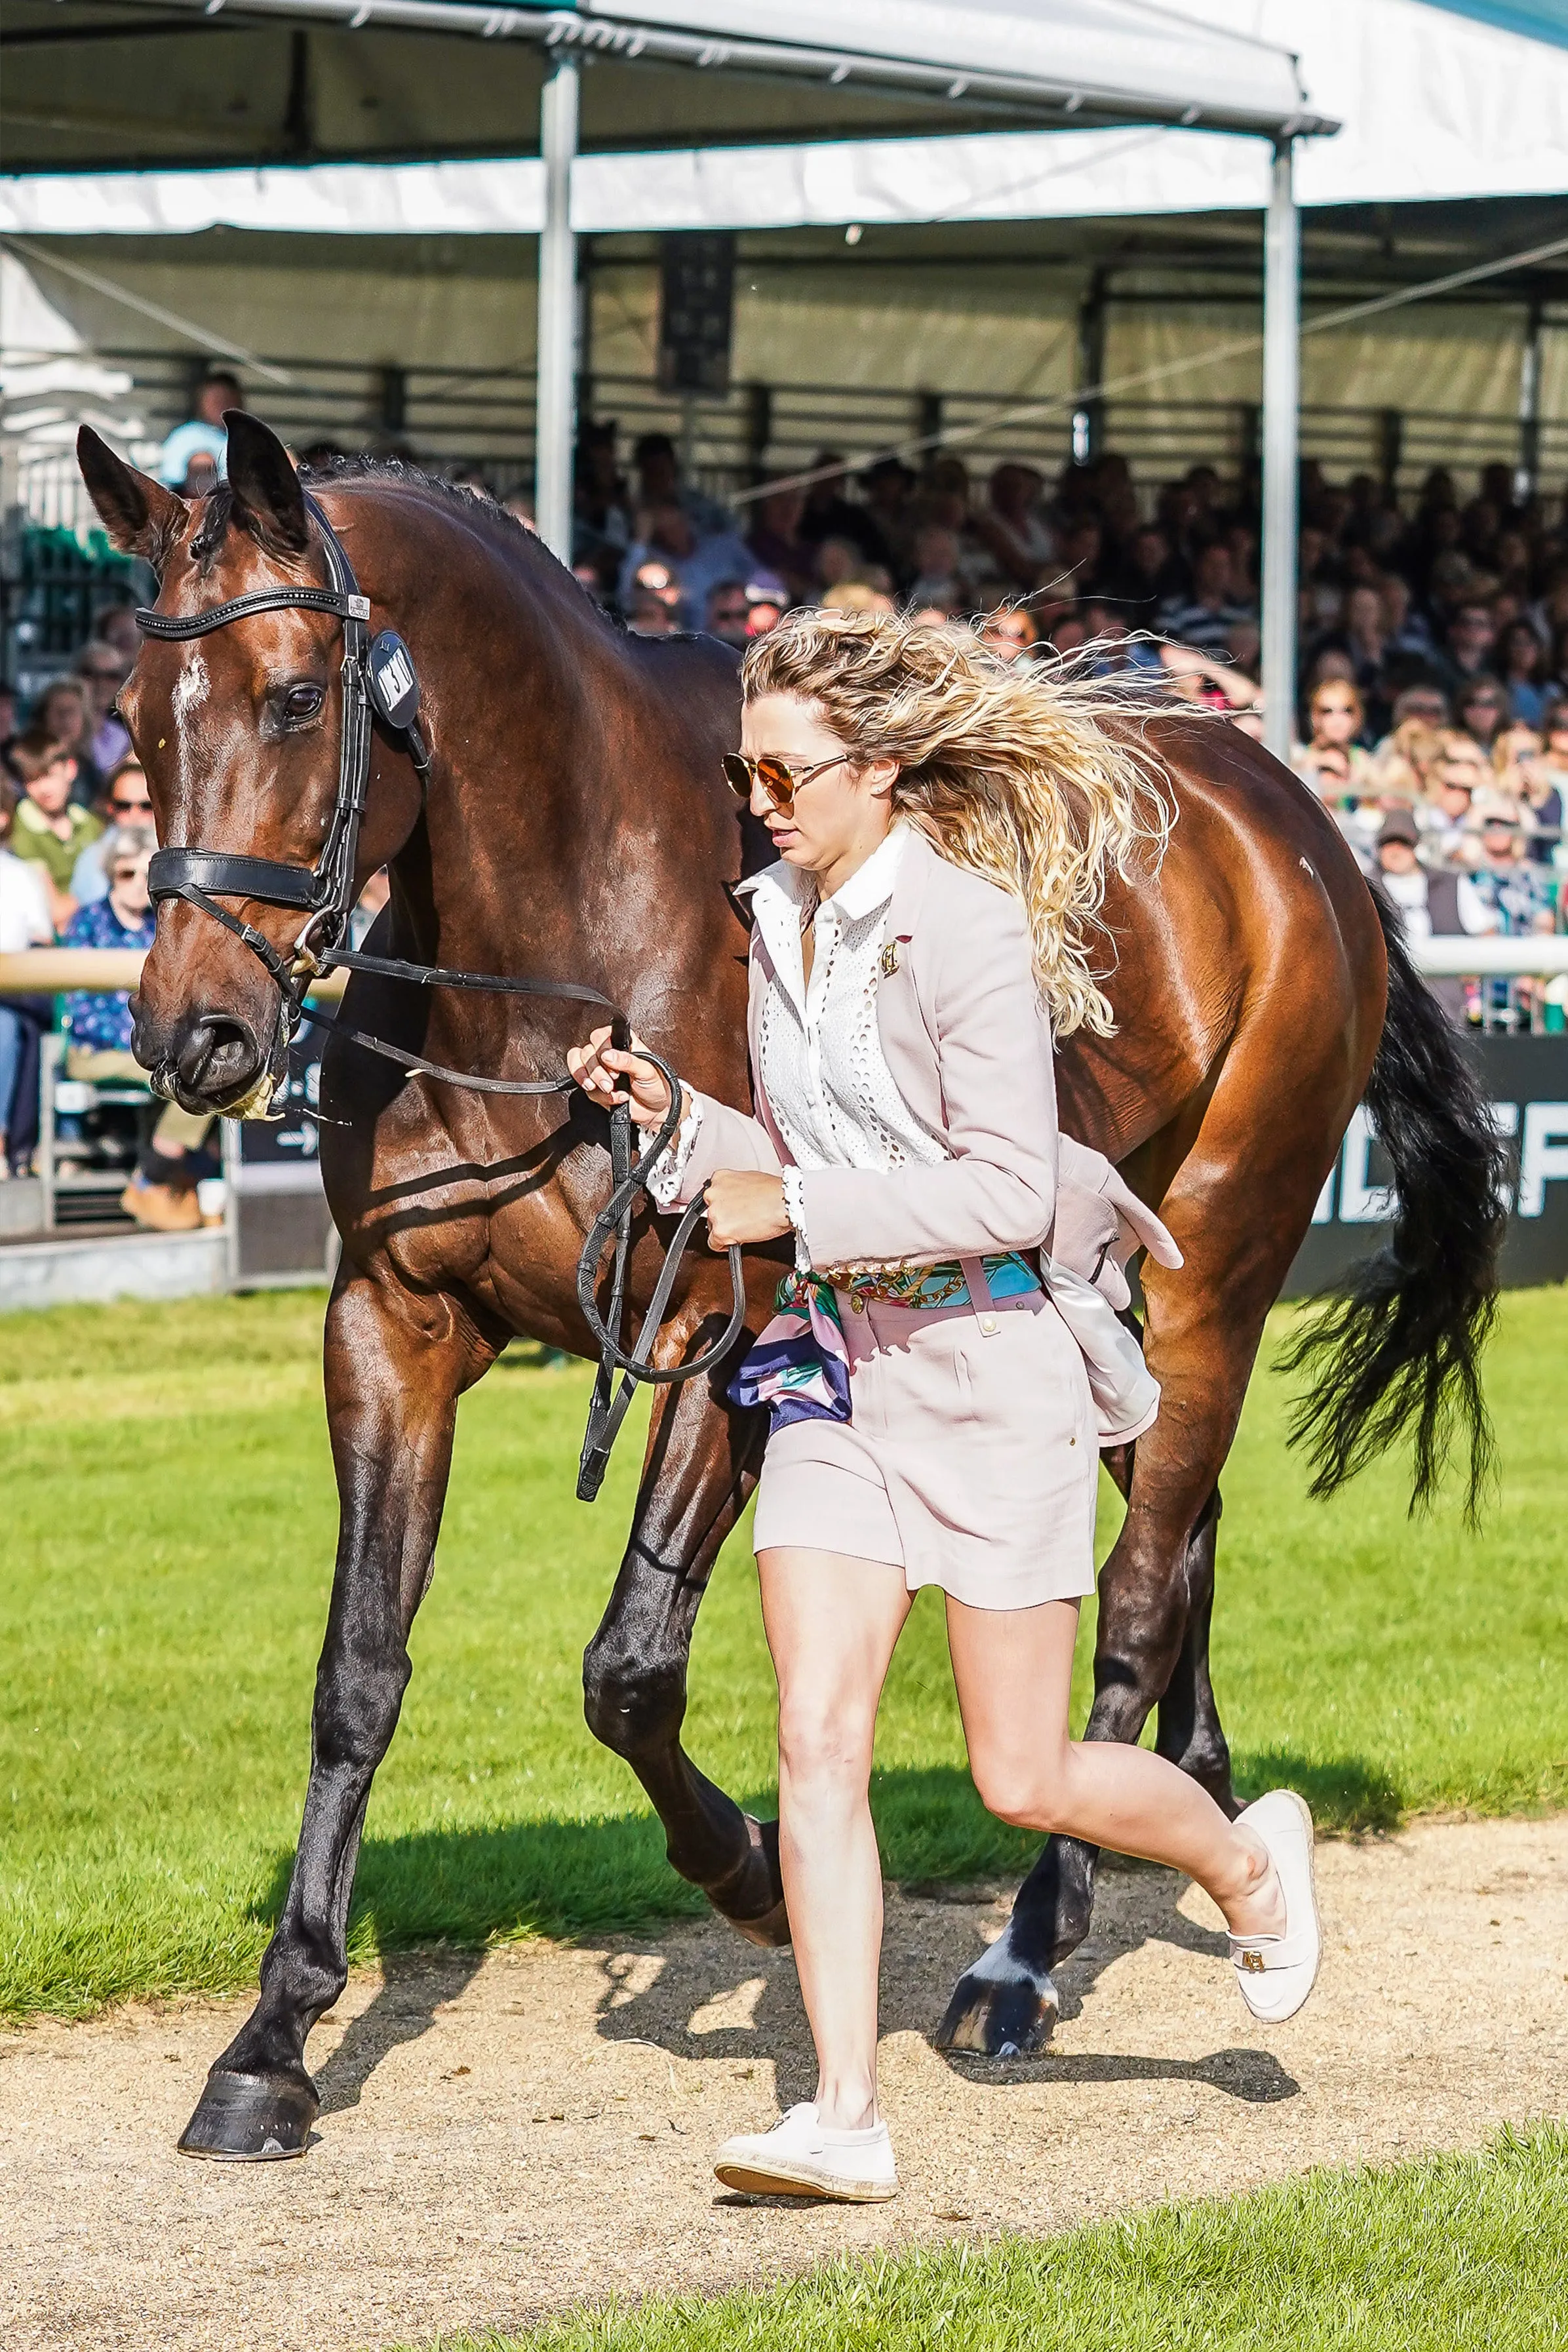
column 126, row 873
column 130, row 808
column 778, row 779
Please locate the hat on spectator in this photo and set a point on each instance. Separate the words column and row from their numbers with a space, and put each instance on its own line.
column 1493, row 808
column 1398, row 824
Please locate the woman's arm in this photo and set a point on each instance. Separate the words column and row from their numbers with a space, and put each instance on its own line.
column 998, row 1191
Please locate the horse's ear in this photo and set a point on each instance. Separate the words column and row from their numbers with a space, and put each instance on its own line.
column 140, row 515
column 267, row 499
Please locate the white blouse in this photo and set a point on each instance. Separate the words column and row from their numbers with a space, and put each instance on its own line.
column 831, row 1095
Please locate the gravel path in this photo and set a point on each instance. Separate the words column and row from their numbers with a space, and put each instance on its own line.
column 499, row 2138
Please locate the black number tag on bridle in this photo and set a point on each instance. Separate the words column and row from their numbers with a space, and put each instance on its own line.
column 394, row 684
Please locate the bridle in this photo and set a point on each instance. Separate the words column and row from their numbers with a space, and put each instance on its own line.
column 378, row 680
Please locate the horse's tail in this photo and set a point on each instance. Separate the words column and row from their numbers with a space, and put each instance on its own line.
column 1398, row 1346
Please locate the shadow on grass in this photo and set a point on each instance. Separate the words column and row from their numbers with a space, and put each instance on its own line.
column 484, row 1883
column 1346, row 1793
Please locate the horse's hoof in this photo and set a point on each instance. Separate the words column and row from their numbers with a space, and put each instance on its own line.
column 252, row 2118
column 1001, row 2008
column 772, row 1930
column 750, row 1896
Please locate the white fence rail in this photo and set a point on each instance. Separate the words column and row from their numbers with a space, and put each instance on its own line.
column 40, row 970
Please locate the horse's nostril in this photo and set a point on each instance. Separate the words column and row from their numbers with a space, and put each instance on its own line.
column 220, row 1056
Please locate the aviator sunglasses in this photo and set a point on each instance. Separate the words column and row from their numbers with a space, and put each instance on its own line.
column 778, row 779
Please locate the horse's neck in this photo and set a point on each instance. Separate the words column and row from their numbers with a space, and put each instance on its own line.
column 561, row 831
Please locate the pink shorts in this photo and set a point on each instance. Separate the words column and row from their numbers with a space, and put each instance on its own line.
column 970, row 1459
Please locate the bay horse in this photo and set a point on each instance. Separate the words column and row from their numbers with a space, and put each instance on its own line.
column 568, row 819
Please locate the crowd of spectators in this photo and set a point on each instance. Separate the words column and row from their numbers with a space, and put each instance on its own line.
column 1432, row 720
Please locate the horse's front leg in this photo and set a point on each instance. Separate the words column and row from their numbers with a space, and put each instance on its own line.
column 702, row 1459
column 395, row 1364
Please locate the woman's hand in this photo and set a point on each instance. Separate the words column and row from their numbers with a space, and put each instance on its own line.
column 745, row 1206
column 608, row 1077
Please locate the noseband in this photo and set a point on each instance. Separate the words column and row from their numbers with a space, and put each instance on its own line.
column 379, row 679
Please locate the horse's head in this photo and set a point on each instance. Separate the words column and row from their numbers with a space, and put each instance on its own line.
column 239, row 730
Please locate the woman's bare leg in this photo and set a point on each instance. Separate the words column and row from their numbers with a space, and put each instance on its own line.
column 1014, row 1672
column 832, row 1623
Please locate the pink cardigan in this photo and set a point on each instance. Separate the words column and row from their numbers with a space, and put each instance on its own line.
column 969, row 1045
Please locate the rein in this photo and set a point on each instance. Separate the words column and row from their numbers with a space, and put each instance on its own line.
column 379, row 679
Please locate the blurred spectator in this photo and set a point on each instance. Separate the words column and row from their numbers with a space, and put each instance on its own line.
column 61, row 712
column 1429, row 902
column 939, row 576
column 889, row 486
column 669, row 537
column 204, row 434
column 1009, row 632
column 1013, row 527
column 1515, row 894
column 1332, row 761
column 49, row 828
column 7, row 712
column 1481, row 708
column 97, row 1025
column 127, row 800
column 518, row 504
column 117, row 627
column 1472, row 634
column 827, row 514
column 103, row 670
column 1216, row 604
column 729, row 613
column 600, row 502
column 649, row 614
column 25, row 922
column 1447, row 838
column 1521, row 666
column 659, row 484
column 1149, row 579
column 776, row 540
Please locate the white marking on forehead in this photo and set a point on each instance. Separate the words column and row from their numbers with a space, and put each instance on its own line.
column 191, row 687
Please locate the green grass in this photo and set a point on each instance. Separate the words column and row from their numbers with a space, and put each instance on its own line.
column 170, row 1525
column 1456, row 2253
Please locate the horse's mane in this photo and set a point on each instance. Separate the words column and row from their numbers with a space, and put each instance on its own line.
column 397, row 473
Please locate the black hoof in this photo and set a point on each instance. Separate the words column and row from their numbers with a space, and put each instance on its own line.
column 751, row 1897
column 772, row 1930
column 1000, row 2013
column 252, row 2118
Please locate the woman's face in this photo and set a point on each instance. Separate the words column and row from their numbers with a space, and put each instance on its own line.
column 127, row 893
column 63, row 714
column 1481, row 713
column 1334, row 716
column 839, row 814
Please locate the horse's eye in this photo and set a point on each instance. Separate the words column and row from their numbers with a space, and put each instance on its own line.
column 302, row 702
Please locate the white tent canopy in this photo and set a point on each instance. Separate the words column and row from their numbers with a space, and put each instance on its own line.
column 1117, row 61
column 1433, row 105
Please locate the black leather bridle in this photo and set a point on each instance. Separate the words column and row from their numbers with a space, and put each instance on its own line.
column 379, row 679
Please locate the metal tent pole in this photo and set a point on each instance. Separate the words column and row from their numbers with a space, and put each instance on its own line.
column 1282, row 402
column 557, row 311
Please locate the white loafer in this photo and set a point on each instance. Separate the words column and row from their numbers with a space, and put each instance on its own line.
column 1276, row 1973
column 801, row 2158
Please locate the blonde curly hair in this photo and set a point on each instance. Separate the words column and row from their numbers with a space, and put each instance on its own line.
column 1010, row 772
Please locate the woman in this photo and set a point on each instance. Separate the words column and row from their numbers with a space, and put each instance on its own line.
column 97, row 1025
column 1332, row 760
column 944, row 823
column 1484, row 708
column 1522, row 666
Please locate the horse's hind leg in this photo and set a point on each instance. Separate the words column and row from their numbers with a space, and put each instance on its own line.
column 1156, row 1589
column 701, row 1462
column 395, row 1364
